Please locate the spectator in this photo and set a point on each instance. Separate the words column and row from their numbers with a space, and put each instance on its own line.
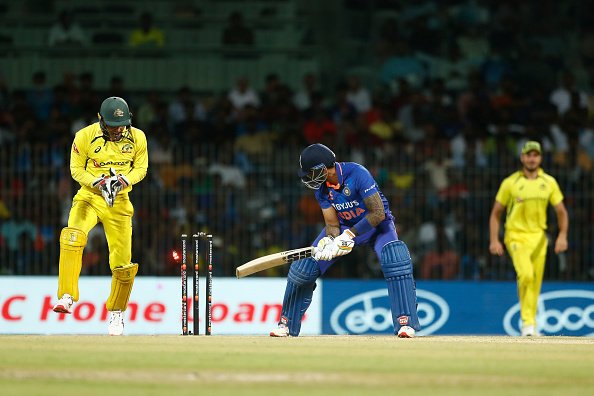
column 66, row 33
column 40, row 97
column 231, row 175
column 303, row 96
column 242, row 94
column 561, row 97
column 319, row 128
column 146, row 35
column 236, row 33
column 358, row 95
column 443, row 262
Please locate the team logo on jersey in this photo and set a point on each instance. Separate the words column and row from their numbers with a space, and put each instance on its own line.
column 346, row 191
column 127, row 148
column 74, row 148
column 118, row 113
column 543, row 187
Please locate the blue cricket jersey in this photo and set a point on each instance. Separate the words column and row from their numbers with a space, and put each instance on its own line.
column 355, row 183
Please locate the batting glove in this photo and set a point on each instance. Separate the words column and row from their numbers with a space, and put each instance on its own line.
column 343, row 244
column 324, row 249
column 103, row 183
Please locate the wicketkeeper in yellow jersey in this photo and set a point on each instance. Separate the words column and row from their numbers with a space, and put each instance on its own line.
column 526, row 195
column 106, row 158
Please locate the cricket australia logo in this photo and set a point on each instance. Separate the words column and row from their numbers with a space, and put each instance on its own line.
column 127, row 148
column 118, row 113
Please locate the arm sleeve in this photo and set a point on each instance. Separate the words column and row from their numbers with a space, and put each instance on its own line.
column 140, row 165
column 78, row 160
column 556, row 195
column 503, row 194
column 366, row 183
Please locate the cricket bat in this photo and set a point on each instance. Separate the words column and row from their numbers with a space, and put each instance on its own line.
column 274, row 260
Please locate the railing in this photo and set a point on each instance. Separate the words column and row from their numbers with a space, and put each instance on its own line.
column 267, row 216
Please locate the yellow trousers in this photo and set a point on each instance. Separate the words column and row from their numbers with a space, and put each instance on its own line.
column 528, row 252
column 88, row 209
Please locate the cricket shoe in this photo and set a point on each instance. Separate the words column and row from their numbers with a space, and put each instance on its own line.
column 65, row 304
column 116, row 323
column 406, row 332
column 530, row 331
column 281, row 331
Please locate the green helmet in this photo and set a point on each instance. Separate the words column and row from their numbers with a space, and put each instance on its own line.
column 114, row 112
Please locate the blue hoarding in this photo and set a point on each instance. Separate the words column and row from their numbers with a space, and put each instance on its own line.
column 465, row 308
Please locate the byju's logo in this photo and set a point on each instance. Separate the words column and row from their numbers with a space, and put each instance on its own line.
column 370, row 313
column 562, row 312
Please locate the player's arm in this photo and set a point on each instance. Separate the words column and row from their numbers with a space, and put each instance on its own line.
column 376, row 215
column 563, row 221
column 78, row 160
column 332, row 223
column 140, row 166
column 495, row 245
column 325, row 245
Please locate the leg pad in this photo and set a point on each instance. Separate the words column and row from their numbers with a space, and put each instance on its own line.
column 397, row 267
column 301, row 283
column 121, row 286
column 72, row 244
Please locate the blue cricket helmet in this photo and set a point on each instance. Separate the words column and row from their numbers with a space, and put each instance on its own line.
column 314, row 162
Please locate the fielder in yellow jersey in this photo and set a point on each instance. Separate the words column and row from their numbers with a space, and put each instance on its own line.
column 526, row 195
column 106, row 158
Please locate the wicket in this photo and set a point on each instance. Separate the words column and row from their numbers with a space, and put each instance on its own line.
column 184, row 276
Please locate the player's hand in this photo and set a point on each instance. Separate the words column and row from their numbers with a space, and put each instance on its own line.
column 324, row 248
column 343, row 244
column 118, row 182
column 560, row 244
column 103, row 183
column 496, row 248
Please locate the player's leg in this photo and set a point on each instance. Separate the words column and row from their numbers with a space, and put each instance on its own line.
column 397, row 267
column 520, row 255
column 538, row 263
column 118, row 232
column 301, row 283
column 73, row 240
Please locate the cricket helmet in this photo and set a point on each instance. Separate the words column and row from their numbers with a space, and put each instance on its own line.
column 314, row 162
column 114, row 112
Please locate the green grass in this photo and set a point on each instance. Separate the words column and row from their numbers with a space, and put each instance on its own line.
column 322, row 365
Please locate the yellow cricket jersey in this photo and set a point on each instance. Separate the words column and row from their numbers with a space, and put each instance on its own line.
column 91, row 155
column 527, row 200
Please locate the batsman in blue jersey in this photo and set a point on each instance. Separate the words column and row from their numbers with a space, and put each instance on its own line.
column 356, row 213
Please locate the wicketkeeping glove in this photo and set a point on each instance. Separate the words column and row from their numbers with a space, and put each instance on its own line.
column 343, row 244
column 103, row 183
column 118, row 182
column 324, row 248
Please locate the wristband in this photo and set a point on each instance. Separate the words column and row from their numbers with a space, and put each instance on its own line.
column 363, row 226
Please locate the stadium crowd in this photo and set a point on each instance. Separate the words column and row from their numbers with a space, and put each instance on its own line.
column 462, row 86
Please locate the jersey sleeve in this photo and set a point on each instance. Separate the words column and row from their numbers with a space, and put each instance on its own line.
column 365, row 183
column 140, row 165
column 78, row 159
column 503, row 194
column 556, row 195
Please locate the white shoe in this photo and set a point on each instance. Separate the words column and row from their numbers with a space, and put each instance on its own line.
column 116, row 323
column 65, row 304
column 530, row 331
column 281, row 331
column 406, row 332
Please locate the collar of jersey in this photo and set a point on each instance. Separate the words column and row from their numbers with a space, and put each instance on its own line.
column 340, row 178
column 539, row 173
